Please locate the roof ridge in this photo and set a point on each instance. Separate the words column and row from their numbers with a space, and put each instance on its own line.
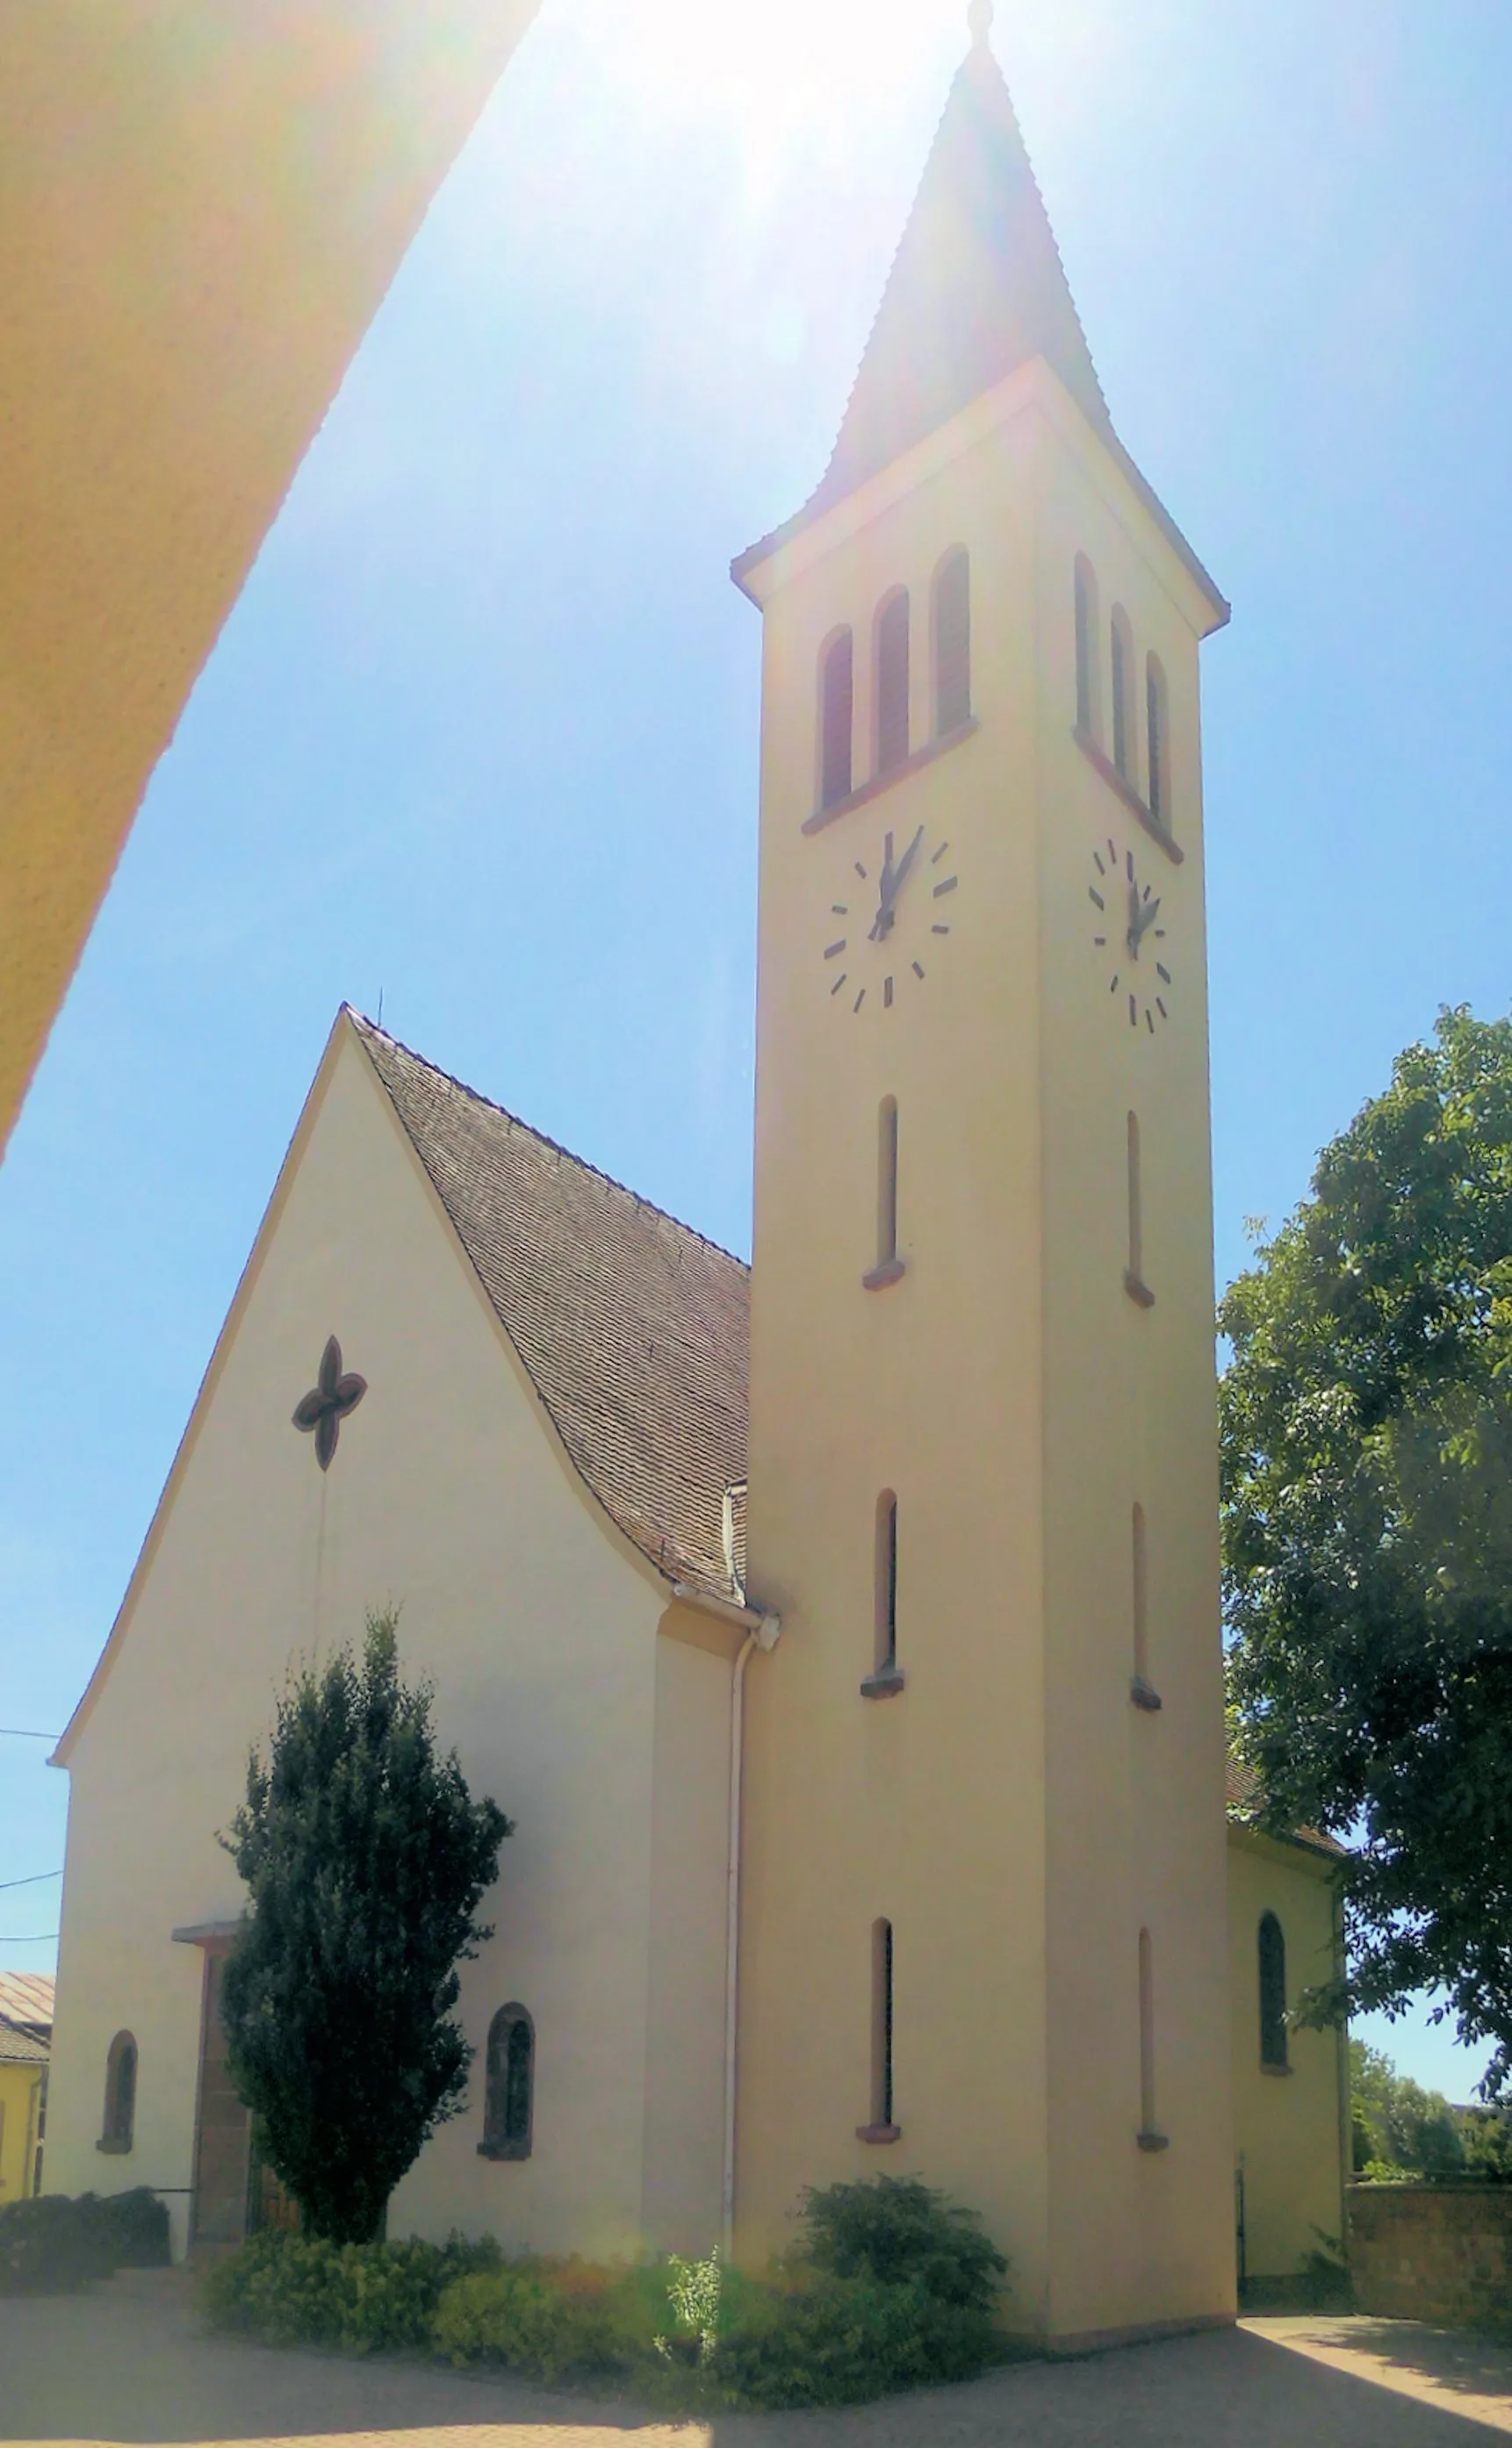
column 370, row 1028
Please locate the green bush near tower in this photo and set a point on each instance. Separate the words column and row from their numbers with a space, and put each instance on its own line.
column 887, row 2287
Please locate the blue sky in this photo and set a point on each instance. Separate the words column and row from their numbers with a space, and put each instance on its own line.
column 481, row 733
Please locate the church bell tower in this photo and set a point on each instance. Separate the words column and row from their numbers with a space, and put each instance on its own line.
column 984, row 1928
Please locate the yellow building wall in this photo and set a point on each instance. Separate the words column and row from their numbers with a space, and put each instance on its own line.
column 199, row 211
column 450, row 1495
column 20, row 2097
column 1290, row 2130
column 1010, row 1812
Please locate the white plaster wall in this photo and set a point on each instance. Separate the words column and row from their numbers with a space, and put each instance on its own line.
column 449, row 1495
column 684, row 2111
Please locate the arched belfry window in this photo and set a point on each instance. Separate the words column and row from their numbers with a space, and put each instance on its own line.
column 1086, row 648
column 509, row 2094
column 837, row 689
column 892, row 682
column 952, row 643
column 118, row 2127
column 1123, row 693
column 1272, row 1948
column 1157, row 748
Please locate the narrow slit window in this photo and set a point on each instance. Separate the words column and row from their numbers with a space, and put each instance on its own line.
column 887, row 1183
column 892, row 682
column 1086, row 634
column 1133, row 1283
column 952, row 643
column 887, row 1584
column 119, row 2128
column 1148, row 2126
column 882, row 2100
column 508, row 2107
column 1272, row 1948
column 835, row 696
column 1156, row 742
column 1122, row 707
column 1139, row 1574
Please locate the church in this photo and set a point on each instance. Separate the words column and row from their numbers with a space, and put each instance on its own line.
column 842, row 1632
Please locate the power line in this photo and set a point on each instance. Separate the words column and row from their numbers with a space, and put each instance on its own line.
column 36, row 1880
column 37, row 1937
column 30, row 1734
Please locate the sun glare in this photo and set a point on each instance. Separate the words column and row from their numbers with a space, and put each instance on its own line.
column 763, row 61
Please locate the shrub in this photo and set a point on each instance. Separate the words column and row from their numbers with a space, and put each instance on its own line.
column 833, row 2340
column 55, row 2243
column 304, row 2291
column 901, row 2232
column 532, row 2319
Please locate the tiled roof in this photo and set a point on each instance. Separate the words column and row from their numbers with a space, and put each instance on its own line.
column 20, row 2048
column 633, row 1329
column 1242, row 1794
column 25, row 1998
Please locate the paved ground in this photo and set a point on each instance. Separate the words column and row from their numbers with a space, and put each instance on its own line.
column 130, row 2363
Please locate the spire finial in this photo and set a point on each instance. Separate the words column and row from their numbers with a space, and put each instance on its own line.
column 978, row 19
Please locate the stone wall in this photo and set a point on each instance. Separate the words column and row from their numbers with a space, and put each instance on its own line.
column 1432, row 2253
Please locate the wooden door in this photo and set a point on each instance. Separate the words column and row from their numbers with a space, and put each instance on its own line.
column 223, row 2139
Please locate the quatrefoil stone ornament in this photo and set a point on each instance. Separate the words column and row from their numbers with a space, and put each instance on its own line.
column 330, row 1400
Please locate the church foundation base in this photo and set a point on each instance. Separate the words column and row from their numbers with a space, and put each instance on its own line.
column 1138, row 2333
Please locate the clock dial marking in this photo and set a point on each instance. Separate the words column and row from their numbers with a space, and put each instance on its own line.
column 1135, row 914
column 899, row 907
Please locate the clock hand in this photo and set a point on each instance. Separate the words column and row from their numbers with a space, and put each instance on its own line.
column 888, row 885
column 1149, row 912
column 907, row 860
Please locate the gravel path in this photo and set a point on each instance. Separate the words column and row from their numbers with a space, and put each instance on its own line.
column 131, row 2362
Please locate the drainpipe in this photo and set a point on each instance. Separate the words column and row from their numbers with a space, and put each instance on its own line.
column 763, row 1636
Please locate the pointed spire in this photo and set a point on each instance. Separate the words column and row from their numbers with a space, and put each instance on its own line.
column 976, row 288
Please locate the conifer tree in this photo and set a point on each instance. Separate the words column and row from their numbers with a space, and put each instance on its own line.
column 365, row 1859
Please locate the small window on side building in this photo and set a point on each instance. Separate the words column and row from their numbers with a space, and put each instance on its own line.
column 510, row 2092
column 952, row 643
column 1272, row 1950
column 835, row 700
column 892, row 682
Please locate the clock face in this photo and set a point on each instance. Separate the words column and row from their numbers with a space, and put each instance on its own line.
column 889, row 919
column 1128, row 933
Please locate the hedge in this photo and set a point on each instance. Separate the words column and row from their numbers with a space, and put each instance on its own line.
column 887, row 2287
column 55, row 2243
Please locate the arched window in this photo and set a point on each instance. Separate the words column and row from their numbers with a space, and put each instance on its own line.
column 509, row 2094
column 835, row 688
column 1156, row 743
column 1086, row 648
column 892, row 682
column 1123, row 693
column 1273, row 1991
column 119, row 2094
column 952, row 643
column 880, row 2127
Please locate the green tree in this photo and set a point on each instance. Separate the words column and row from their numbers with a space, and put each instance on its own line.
column 365, row 1859
column 1398, row 2124
column 1367, row 1456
